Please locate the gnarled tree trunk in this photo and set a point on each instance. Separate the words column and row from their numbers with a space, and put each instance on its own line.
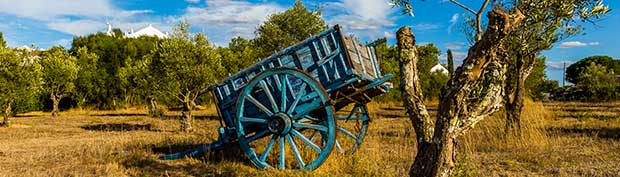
column 472, row 93
column 187, row 120
column 55, row 101
column 514, row 98
column 413, row 98
column 153, row 107
column 7, row 114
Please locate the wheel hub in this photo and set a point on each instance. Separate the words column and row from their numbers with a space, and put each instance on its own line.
column 280, row 123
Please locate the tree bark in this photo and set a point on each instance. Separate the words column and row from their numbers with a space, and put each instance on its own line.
column 514, row 98
column 413, row 98
column 153, row 106
column 472, row 93
column 187, row 119
column 55, row 101
column 7, row 114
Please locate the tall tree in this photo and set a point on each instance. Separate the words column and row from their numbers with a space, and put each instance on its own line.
column 285, row 29
column 59, row 74
column 576, row 69
column 19, row 79
column 2, row 42
column 90, row 82
column 472, row 93
column 547, row 22
column 450, row 63
column 182, row 67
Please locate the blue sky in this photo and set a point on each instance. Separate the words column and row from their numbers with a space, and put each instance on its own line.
column 46, row 23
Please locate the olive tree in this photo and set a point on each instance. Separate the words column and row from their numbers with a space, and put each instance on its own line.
column 19, row 79
column 181, row 67
column 473, row 92
column 59, row 74
column 547, row 22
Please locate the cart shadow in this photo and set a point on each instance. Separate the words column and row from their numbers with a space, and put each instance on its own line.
column 119, row 127
column 196, row 117
column 607, row 133
column 149, row 166
column 119, row 115
column 209, row 162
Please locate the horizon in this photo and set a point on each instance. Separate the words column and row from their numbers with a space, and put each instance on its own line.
column 46, row 24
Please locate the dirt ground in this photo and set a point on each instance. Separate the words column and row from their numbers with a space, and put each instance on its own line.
column 558, row 139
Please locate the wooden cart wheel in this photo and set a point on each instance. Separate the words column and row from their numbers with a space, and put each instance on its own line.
column 352, row 126
column 273, row 109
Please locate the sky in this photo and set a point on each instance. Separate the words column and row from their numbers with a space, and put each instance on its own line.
column 46, row 23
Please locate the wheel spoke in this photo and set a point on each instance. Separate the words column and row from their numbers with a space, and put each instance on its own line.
column 339, row 147
column 282, row 153
column 274, row 106
column 254, row 120
column 259, row 105
column 301, row 93
column 306, row 140
column 352, row 112
column 311, row 126
column 295, row 151
column 272, row 141
column 314, row 133
column 283, row 90
column 347, row 118
column 346, row 132
column 257, row 135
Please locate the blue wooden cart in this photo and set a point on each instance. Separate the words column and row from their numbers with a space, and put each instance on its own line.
column 299, row 103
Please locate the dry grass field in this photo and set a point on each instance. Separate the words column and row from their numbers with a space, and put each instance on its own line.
column 559, row 139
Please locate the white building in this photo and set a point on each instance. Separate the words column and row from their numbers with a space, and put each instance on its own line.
column 439, row 68
column 146, row 31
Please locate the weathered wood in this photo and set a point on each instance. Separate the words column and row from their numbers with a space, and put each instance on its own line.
column 7, row 115
column 514, row 97
column 413, row 98
column 55, row 101
column 472, row 93
column 187, row 119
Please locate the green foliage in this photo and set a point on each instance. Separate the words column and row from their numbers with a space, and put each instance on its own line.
column 285, row 29
column 428, row 56
column 19, row 77
column 90, row 83
column 576, row 69
column 450, row 62
column 181, row 68
column 59, row 71
column 536, row 83
column 113, row 53
column 599, row 83
column 239, row 54
column 2, row 42
column 389, row 64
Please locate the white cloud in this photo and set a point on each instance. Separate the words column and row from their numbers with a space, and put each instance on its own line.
column 76, row 27
column 361, row 14
column 558, row 65
column 64, row 42
column 49, row 10
column 458, row 57
column 571, row 44
column 223, row 19
column 192, row 1
column 388, row 35
column 425, row 26
column 455, row 45
column 453, row 20
column 75, row 17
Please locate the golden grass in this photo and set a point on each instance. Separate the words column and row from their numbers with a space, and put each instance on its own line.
column 72, row 145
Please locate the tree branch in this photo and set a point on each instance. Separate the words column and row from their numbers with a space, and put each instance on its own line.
column 464, row 7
